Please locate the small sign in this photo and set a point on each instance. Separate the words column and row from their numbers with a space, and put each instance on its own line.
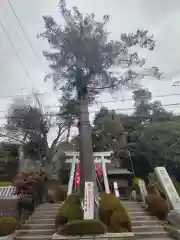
column 116, row 190
column 168, row 187
column 89, row 200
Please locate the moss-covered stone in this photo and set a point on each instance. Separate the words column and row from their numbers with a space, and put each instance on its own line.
column 157, row 206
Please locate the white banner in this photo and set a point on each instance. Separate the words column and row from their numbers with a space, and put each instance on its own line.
column 89, row 200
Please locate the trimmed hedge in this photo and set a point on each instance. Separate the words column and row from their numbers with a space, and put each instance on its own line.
column 157, row 206
column 7, row 226
column 72, row 208
column 84, row 227
column 61, row 193
column 111, row 212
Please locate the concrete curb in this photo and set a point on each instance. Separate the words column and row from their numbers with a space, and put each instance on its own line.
column 107, row 236
column 175, row 233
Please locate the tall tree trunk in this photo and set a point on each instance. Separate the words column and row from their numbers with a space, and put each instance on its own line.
column 87, row 172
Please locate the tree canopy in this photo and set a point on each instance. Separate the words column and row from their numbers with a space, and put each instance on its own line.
column 29, row 125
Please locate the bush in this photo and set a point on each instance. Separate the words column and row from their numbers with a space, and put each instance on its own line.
column 7, row 226
column 157, row 206
column 61, row 193
column 153, row 189
column 73, row 198
column 71, row 208
column 84, row 227
column 113, row 214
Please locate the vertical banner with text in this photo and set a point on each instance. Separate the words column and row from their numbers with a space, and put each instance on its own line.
column 98, row 167
column 89, row 200
column 77, row 176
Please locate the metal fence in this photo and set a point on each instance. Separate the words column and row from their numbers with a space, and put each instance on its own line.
column 7, row 192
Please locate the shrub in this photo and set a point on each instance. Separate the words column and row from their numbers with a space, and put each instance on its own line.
column 153, row 189
column 73, row 198
column 84, row 227
column 72, row 208
column 7, row 225
column 113, row 214
column 157, row 206
column 61, row 193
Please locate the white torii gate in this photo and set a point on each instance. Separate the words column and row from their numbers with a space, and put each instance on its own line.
column 99, row 157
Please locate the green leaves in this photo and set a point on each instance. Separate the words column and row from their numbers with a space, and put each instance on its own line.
column 83, row 53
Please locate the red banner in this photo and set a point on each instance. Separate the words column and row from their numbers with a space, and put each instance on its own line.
column 98, row 167
column 77, row 176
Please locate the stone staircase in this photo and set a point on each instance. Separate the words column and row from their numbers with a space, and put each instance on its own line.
column 41, row 223
column 145, row 226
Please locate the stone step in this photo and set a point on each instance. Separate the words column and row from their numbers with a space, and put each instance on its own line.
column 159, row 238
column 138, row 213
column 142, row 218
column 35, row 232
column 131, row 205
column 42, row 220
column 38, row 226
column 135, row 209
column 43, row 216
column 151, row 235
column 48, row 208
column 144, row 222
column 27, row 237
column 146, row 228
column 44, row 213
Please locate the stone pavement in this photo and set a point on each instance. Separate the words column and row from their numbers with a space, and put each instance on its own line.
column 41, row 223
column 145, row 226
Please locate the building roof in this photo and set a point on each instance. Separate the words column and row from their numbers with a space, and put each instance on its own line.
column 120, row 171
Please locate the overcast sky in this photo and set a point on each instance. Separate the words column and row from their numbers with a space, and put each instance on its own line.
column 160, row 17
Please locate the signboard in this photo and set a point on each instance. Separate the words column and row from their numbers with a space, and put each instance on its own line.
column 89, row 200
column 168, row 187
column 143, row 190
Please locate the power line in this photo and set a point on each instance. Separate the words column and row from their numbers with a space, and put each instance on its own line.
column 16, row 53
column 25, row 33
column 174, row 105
column 20, row 60
column 110, row 101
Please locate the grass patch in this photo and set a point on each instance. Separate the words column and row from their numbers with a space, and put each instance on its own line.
column 5, row 183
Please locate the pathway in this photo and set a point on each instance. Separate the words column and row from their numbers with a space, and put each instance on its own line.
column 145, row 226
column 41, row 223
